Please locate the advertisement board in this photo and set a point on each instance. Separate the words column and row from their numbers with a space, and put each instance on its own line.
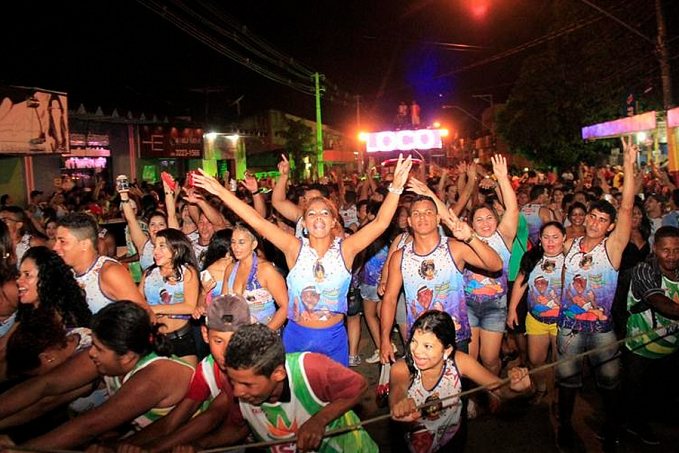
column 33, row 121
column 163, row 141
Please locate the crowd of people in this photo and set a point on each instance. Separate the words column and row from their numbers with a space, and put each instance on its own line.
column 235, row 315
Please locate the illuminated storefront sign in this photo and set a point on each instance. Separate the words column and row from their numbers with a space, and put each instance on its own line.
column 404, row 140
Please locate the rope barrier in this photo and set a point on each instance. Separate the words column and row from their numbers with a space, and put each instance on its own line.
column 489, row 387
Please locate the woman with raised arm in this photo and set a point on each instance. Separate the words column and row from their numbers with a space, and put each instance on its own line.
column 319, row 265
column 486, row 293
column 143, row 242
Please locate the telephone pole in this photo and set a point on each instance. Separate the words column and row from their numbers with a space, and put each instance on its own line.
column 319, row 124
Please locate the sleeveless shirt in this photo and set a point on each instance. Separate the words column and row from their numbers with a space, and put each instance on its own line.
column 146, row 255
column 483, row 286
column 161, row 291
column 531, row 212
column 114, row 383
column 544, row 289
column 280, row 420
column 259, row 299
column 90, row 281
column 433, row 282
column 588, row 289
column 436, row 429
column 318, row 287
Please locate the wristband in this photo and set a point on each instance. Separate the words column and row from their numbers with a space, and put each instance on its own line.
column 256, row 191
column 469, row 239
column 394, row 190
column 125, row 201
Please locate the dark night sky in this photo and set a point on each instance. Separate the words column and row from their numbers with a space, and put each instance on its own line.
column 121, row 54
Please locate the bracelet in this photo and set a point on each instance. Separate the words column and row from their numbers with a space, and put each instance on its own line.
column 469, row 239
column 125, row 201
column 394, row 190
column 257, row 191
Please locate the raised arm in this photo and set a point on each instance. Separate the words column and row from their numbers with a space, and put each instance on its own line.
column 286, row 242
column 171, row 206
column 618, row 239
column 138, row 236
column 213, row 215
column 420, row 188
column 467, row 191
column 510, row 220
column 358, row 241
column 250, row 183
column 483, row 256
column 285, row 207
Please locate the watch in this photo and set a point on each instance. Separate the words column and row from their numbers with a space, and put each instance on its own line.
column 469, row 239
column 394, row 190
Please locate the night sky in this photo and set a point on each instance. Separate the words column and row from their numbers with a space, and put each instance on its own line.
column 121, row 54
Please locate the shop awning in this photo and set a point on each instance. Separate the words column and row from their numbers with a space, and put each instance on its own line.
column 629, row 125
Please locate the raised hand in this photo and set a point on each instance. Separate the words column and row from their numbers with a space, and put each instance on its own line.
column 207, row 183
column 192, row 196
column 499, row 166
column 630, row 150
column 461, row 168
column 487, row 183
column 471, row 170
column 284, row 166
column 461, row 230
column 250, row 182
column 401, row 171
column 417, row 186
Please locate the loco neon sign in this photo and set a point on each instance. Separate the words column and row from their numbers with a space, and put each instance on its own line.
column 404, row 140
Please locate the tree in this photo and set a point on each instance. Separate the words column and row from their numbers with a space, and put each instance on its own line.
column 579, row 79
column 299, row 141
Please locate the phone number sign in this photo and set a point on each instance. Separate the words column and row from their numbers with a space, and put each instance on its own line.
column 170, row 141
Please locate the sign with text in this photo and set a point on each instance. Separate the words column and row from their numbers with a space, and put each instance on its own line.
column 170, row 141
column 404, row 140
column 33, row 121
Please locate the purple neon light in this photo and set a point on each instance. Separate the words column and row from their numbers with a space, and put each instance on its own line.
column 630, row 125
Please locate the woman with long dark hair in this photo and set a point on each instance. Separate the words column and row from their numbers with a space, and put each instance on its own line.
column 171, row 286
column 47, row 283
column 540, row 275
column 432, row 370
column 256, row 279
column 21, row 230
column 131, row 357
column 218, row 257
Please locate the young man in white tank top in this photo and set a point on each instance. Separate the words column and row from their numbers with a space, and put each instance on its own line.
column 105, row 280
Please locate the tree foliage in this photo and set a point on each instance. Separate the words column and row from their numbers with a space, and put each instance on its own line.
column 578, row 79
column 299, row 141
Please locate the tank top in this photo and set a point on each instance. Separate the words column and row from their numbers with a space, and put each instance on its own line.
column 260, row 300
column 531, row 212
column 318, row 287
column 114, row 383
column 372, row 269
column 281, row 420
column 588, row 289
column 160, row 291
column 438, row 428
column 544, row 289
column 90, row 281
column 146, row 255
column 22, row 246
column 656, row 344
column 482, row 286
column 7, row 324
column 433, row 282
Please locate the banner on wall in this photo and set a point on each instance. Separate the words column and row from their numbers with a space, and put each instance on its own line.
column 162, row 141
column 33, row 121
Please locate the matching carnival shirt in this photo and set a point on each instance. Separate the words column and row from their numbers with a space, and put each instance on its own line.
column 544, row 289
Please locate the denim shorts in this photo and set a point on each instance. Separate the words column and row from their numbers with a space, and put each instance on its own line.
column 369, row 292
column 605, row 363
column 490, row 315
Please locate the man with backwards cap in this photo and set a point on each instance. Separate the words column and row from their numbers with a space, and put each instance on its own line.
column 210, row 388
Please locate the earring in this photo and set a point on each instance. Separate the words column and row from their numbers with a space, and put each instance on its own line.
column 305, row 232
column 445, row 356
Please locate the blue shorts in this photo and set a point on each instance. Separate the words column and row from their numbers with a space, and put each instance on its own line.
column 331, row 341
column 490, row 315
column 605, row 363
column 369, row 292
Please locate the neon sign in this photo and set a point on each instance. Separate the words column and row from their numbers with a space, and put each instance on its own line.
column 404, row 140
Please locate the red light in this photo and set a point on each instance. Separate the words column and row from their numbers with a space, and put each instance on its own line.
column 478, row 8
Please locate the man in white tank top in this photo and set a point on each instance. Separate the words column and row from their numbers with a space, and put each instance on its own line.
column 105, row 280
